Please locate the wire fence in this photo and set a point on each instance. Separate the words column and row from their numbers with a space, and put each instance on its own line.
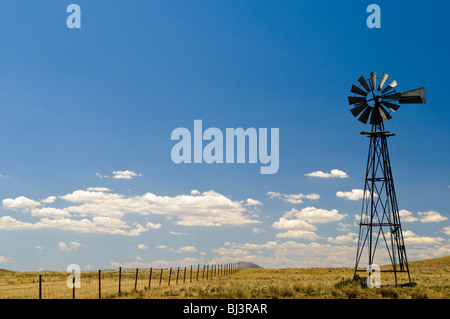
column 109, row 283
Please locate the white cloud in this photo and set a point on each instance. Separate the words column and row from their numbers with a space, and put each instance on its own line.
column 98, row 224
column 344, row 227
column 252, row 202
column 177, row 233
column 153, row 225
column 96, row 211
column 99, row 189
column 101, row 176
column 39, row 248
column 4, row 259
column 19, row 202
column 208, row 209
column 431, row 217
column 315, row 215
column 48, row 200
column 71, row 247
column 195, row 192
column 297, row 224
column 446, row 230
column 274, row 254
column 142, row 246
column 355, row 194
column 334, row 173
column 292, row 198
column 294, row 233
column 413, row 239
column 406, row 216
column 125, row 174
column 185, row 249
column 49, row 212
column 344, row 239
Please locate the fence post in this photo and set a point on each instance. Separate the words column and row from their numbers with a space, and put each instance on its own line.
column 40, row 286
column 150, row 279
column 73, row 284
column 99, row 284
column 207, row 268
column 198, row 269
column 120, row 277
column 135, row 281
column 203, row 275
column 184, row 277
column 160, row 276
column 170, row 275
column 212, row 267
column 178, row 271
column 190, row 280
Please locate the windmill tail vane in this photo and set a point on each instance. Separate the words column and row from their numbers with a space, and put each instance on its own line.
column 375, row 103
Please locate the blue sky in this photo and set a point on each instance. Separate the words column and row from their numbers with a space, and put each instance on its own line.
column 78, row 105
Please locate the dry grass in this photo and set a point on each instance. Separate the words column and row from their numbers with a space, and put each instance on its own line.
column 432, row 277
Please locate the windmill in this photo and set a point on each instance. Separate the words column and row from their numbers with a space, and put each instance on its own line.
column 380, row 219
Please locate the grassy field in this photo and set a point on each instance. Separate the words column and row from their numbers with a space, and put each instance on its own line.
column 432, row 277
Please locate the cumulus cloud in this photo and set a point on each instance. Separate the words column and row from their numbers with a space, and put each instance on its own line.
column 49, row 212
column 71, row 247
column 142, row 246
column 407, row 216
column 99, row 189
column 292, row 198
column 315, row 215
column 125, row 174
column 177, row 233
column 299, row 223
column 334, row 173
column 252, row 202
column 4, row 259
column 294, row 233
column 274, row 254
column 19, row 202
column 355, row 194
column 98, row 211
column 431, row 217
column 48, row 200
column 446, row 230
column 413, row 239
column 344, row 239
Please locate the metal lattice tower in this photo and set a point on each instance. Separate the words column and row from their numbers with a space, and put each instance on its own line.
column 380, row 219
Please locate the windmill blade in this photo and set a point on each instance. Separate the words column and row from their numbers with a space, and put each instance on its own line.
column 375, row 117
column 383, row 79
column 365, row 116
column 364, row 83
column 357, row 90
column 373, row 76
column 359, row 108
column 383, row 113
column 413, row 96
column 355, row 99
column 391, row 85
column 393, row 107
column 393, row 96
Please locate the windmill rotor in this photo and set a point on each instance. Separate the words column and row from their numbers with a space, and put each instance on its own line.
column 376, row 102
